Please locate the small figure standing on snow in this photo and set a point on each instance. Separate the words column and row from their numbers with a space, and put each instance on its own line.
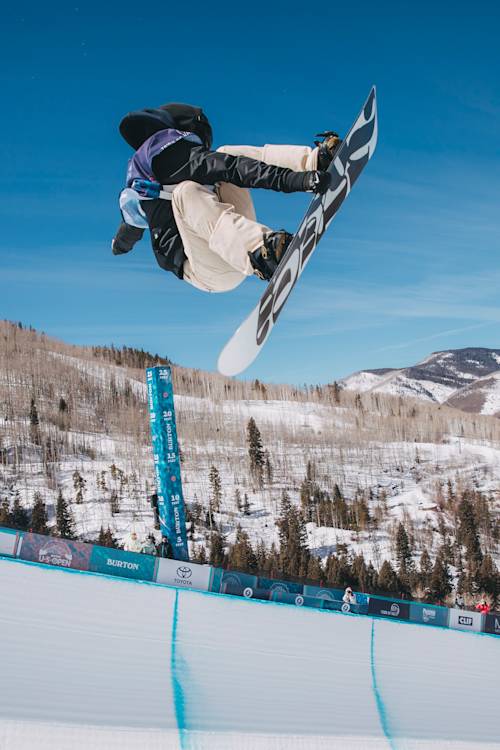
column 149, row 546
column 132, row 543
column 349, row 596
column 483, row 607
column 196, row 203
column 164, row 549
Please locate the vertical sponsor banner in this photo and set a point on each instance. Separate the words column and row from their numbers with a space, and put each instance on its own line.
column 166, row 459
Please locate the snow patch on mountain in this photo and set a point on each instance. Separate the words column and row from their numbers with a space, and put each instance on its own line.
column 463, row 378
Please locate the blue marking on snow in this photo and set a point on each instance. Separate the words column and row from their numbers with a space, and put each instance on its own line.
column 382, row 712
column 177, row 691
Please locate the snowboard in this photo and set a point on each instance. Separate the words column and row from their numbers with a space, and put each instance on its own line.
column 348, row 163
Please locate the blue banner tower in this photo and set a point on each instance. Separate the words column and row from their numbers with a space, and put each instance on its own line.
column 166, row 459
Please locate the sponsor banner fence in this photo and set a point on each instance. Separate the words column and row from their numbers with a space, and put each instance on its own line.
column 166, row 459
column 321, row 592
column 64, row 553
column 237, row 584
column 461, row 619
column 299, row 600
column 115, row 562
column 428, row 614
column 391, row 608
column 8, row 541
column 183, row 574
column 492, row 624
column 271, row 585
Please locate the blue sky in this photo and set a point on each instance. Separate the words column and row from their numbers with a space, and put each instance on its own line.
column 411, row 263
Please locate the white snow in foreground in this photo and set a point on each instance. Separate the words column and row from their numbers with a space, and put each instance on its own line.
column 92, row 662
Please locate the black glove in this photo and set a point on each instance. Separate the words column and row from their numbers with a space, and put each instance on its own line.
column 125, row 238
column 316, row 181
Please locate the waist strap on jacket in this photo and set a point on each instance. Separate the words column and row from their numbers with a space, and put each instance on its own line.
column 144, row 190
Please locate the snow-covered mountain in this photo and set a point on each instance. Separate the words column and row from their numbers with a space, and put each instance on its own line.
column 398, row 456
column 466, row 379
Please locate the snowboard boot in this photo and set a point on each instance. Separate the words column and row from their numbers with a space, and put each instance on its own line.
column 327, row 148
column 266, row 258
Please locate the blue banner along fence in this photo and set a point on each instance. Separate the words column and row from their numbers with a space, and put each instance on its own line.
column 166, row 459
column 67, row 553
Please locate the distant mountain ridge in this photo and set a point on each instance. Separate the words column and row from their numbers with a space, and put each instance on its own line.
column 467, row 379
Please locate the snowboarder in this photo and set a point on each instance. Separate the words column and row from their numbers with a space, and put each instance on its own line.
column 195, row 200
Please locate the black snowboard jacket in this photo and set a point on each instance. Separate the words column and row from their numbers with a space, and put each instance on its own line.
column 186, row 160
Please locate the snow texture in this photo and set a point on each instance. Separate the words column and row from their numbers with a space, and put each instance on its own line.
column 92, row 662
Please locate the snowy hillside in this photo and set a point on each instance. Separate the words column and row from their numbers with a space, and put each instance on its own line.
column 355, row 466
column 444, row 377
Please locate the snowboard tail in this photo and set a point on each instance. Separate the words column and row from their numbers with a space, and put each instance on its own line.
column 351, row 158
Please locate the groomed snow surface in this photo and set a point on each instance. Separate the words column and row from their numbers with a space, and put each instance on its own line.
column 89, row 662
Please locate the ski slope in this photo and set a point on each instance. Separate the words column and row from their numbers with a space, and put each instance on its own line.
column 88, row 661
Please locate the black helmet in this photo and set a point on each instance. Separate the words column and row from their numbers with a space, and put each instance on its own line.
column 137, row 127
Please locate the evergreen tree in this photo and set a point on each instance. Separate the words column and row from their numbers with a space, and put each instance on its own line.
column 246, row 505
column 261, row 556
column 217, row 553
column 63, row 406
column 360, row 572
column 241, row 555
column 19, row 516
column 294, row 553
column 215, row 489
column 425, row 569
column 336, row 392
column 64, row 520
column 269, row 469
column 79, row 484
column 106, row 538
column 5, row 515
column 404, row 557
column 338, row 571
column 39, row 516
column 196, row 510
column 255, row 452
column 114, row 503
column 34, row 423
column 33, row 415
column 237, row 500
column 468, row 537
column 488, row 579
column 314, row 569
column 387, row 578
column 440, row 582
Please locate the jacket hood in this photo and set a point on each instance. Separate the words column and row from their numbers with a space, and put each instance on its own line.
column 137, row 127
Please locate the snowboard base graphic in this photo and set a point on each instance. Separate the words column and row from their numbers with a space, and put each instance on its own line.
column 352, row 156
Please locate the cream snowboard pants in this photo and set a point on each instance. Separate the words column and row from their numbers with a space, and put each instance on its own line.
column 219, row 229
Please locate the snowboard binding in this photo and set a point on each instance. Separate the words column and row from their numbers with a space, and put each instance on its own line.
column 327, row 148
column 265, row 260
